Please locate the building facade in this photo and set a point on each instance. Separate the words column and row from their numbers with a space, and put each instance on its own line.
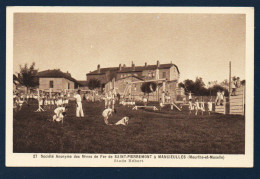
column 119, row 77
column 56, row 80
column 169, row 71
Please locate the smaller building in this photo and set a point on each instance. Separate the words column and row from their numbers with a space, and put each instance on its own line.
column 56, row 80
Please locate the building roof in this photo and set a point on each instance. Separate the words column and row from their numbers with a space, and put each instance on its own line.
column 130, row 69
column 56, row 73
column 132, row 76
column 103, row 70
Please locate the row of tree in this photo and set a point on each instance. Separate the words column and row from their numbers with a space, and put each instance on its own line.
column 199, row 88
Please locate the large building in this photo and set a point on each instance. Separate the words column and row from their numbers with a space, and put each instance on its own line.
column 114, row 77
column 147, row 72
column 56, row 80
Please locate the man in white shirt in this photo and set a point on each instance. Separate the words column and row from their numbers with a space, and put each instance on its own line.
column 79, row 110
column 59, row 114
column 106, row 113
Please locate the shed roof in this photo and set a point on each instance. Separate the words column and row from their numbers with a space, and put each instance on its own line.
column 56, row 73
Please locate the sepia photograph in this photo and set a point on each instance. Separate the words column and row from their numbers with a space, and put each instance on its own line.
column 134, row 85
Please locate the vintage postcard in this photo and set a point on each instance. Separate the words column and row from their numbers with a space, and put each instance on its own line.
column 130, row 87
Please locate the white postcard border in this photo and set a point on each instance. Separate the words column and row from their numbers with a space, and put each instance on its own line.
column 104, row 160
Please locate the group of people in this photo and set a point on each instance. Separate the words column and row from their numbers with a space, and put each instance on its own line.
column 19, row 99
column 110, row 99
column 60, row 111
column 200, row 106
column 47, row 101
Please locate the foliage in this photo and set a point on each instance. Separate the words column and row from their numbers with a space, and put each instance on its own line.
column 94, row 83
column 243, row 82
column 213, row 90
column 198, row 88
column 148, row 87
column 28, row 76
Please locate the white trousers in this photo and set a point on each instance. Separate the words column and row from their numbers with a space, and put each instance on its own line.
column 79, row 110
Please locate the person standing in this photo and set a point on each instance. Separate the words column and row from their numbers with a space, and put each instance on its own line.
column 197, row 106
column 238, row 82
column 218, row 98
column 222, row 97
column 190, row 96
column 191, row 107
column 233, row 86
column 210, row 106
column 79, row 110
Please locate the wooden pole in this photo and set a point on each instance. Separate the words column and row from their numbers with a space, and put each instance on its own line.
column 50, row 92
column 163, row 93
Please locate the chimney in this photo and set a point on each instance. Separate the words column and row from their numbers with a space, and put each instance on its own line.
column 145, row 64
column 98, row 68
column 171, row 62
column 133, row 66
column 124, row 66
column 158, row 63
column 120, row 67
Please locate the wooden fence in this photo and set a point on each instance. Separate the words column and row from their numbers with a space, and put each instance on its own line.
column 237, row 102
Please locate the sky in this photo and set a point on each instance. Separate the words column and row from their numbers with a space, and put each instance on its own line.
column 199, row 44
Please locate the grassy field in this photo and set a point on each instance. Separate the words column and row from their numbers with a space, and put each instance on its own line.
column 168, row 132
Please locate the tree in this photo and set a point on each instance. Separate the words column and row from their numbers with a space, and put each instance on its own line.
column 94, row 83
column 181, row 85
column 28, row 76
column 148, row 87
column 217, row 88
column 243, row 82
column 197, row 87
column 189, row 85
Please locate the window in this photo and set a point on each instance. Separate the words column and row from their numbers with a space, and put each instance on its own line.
column 51, row 84
column 164, row 74
column 68, row 85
